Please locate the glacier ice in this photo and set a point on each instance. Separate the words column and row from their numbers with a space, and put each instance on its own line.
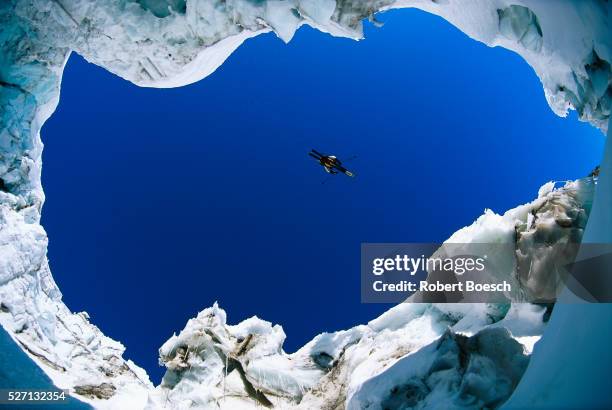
column 210, row 363
column 529, row 245
column 570, row 367
column 214, row 365
column 454, row 372
column 520, row 24
column 24, row 373
column 169, row 43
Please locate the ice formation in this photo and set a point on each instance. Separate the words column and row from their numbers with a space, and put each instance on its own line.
column 422, row 346
column 462, row 355
column 168, row 43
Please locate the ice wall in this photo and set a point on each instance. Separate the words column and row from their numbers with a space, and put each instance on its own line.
column 170, row 43
column 570, row 367
column 160, row 43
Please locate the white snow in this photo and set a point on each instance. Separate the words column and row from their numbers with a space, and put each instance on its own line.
column 215, row 365
column 453, row 372
column 150, row 44
column 334, row 367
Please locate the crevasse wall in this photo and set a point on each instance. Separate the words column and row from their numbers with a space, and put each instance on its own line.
column 570, row 366
column 172, row 43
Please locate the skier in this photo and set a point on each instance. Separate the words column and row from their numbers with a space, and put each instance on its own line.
column 331, row 164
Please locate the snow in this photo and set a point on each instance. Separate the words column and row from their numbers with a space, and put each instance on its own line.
column 25, row 373
column 454, row 372
column 170, row 43
column 404, row 350
column 215, row 365
column 527, row 245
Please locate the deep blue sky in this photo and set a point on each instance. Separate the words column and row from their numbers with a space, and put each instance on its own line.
column 160, row 202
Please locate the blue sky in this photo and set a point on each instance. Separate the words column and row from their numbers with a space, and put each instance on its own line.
column 160, row 202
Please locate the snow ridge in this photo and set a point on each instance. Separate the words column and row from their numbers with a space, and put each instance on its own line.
column 462, row 355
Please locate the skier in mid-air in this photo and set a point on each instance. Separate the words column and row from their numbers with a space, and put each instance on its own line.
column 331, row 164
